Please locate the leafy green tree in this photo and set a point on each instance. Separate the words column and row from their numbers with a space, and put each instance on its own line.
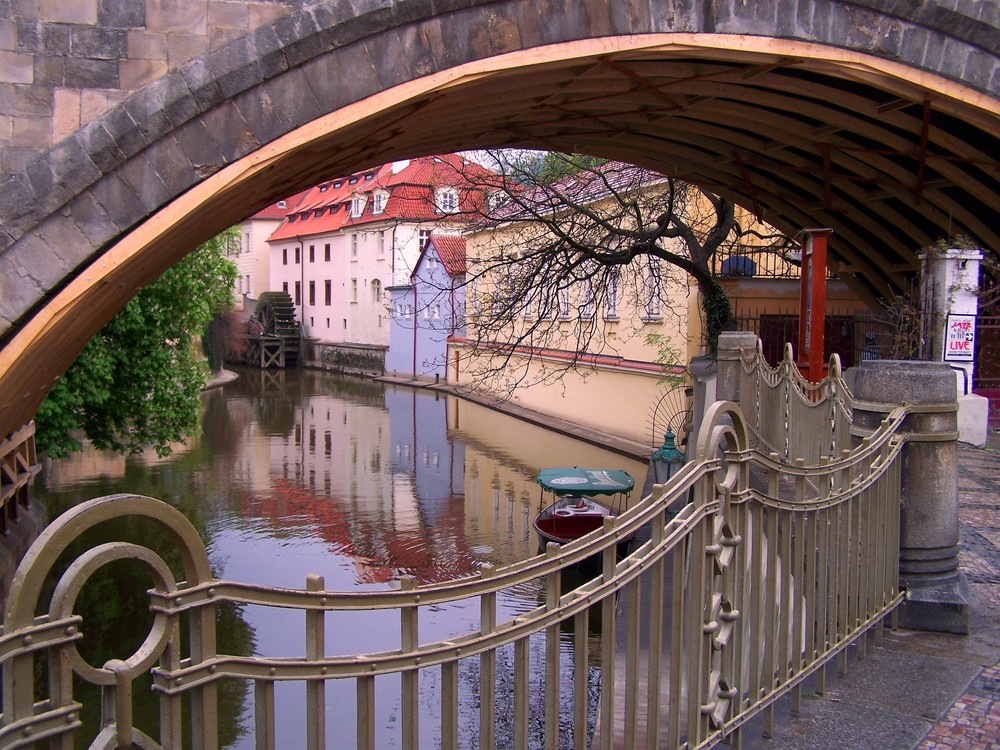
column 137, row 383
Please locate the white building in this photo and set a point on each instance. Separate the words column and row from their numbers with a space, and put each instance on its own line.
column 350, row 238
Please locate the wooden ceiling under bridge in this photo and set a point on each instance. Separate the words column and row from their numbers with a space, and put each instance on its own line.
column 889, row 165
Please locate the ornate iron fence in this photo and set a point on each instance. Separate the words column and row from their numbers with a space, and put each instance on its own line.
column 761, row 573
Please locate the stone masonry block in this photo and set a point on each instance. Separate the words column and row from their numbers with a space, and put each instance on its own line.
column 127, row 134
column 269, row 52
column 119, row 202
column 228, row 14
column 172, row 166
column 145, row 107
column 387, row 58
column 91, row 74
column 170, row 16
column 8, row 35
column 300, row 38
column 263, row 13
column 419, row 48
column 50, row 71
column 16, row 67
column 141, row 175
column 73, row 166
column 92, row 221
column 18, row 292
column 235, row 67
column 145, row 46
column 293, row 99
column 28, row 35
column 262, row 118
column 101, row 146
column 54, row 39
column 98, row 43
column 59, row 11
column 31, row 132
column 38, row 260
column 200, row 150
column 50, row 193
column 66, row 240
column 121, row 14
column 204, row 89
column 66, row 113
column 173, row 98
column 134, row 74
column 19, row 205
column 184, row 47
column 226, row 127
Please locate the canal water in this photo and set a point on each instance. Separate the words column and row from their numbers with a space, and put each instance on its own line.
column 300, row 472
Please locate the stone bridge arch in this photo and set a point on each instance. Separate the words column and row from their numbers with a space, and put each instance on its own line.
column 877, row 119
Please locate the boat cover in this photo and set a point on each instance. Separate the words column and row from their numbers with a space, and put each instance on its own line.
column 585, row 481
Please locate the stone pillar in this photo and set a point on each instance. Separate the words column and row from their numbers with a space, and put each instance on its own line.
column 732, row 345
column 928, row 545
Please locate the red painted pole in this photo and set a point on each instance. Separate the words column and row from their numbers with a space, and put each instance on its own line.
column 812, row 304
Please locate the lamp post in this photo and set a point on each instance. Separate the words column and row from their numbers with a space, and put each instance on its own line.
column 666, row 460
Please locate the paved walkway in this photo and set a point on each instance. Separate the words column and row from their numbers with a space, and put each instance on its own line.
column 921, row 690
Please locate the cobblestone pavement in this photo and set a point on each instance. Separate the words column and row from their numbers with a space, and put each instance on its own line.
column 973, row 721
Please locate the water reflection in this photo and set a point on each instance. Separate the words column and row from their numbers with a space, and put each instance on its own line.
column 300, row 472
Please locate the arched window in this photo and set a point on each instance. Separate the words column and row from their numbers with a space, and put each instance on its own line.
column 376, row 290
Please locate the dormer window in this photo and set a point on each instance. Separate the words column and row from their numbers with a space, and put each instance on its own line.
column 323, row 188
column 358, row 204
column 497, row 198
column 353, row 181
column 379, row 200
column 447, row 200
column 337, row 184
column 282, row 204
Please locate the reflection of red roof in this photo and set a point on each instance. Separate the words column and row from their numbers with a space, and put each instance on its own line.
column 450, row 249
column 411, row 551
column 409, row 187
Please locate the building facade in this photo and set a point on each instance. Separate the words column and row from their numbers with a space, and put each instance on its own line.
column 428, row 311
column 351, row 238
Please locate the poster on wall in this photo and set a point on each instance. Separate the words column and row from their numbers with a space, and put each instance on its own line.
column 960, row 338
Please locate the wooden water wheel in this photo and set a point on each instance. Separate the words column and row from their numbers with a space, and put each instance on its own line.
column 274, row 333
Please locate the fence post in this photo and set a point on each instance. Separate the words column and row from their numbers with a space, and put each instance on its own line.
column 732, row 344
column 928, row 545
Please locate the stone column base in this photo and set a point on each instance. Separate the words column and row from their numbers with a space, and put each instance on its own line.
column 942, row 607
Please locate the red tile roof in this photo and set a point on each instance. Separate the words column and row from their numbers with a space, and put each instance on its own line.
column 450, row 249
column 279, row 211
column 410, row 186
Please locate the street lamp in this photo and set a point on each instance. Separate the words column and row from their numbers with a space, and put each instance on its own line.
column 666, row 460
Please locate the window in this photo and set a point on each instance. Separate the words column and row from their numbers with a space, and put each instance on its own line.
column 422, row 236
column 379, row 200
column 312, row 292
column 497, row 199
column 432, row 261
column 527, row 305
column 586, row 299
column 437, row 312
column 354, row 246
column 312, row 253
column 326, row 252
column 298, row 250
column 651, row 297
column 358, row 204
column 328, row 294
column 284, row 256
column 376, row 290
column 282, row 204
column 611, row 302
column 298, row 292
column 447, row 200
column 381, row 243
column 354, row 290
column 249, row 288
column 284, row 287
column 564, row 303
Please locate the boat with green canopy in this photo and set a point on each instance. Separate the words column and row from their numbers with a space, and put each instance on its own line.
column 575, row 512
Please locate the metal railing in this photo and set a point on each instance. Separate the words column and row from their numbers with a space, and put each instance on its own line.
column 761, row 573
